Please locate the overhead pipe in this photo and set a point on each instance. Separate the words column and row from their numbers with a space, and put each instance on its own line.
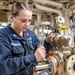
column 52, row 3
column 47, row 9
column 45, row 23
column 73, row 6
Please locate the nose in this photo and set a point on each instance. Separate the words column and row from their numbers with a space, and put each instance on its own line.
column 27, row 23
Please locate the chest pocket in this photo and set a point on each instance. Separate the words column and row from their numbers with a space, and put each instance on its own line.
column 31, row 47
column 17, row 48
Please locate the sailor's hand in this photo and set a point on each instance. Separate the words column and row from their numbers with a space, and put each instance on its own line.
column 40, row 53
column 50, row 36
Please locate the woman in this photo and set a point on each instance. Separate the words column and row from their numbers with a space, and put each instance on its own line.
column 20, row 48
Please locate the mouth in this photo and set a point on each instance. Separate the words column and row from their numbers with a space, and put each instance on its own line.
column 24, row 27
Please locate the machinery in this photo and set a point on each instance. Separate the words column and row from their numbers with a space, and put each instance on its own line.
column 60, row 59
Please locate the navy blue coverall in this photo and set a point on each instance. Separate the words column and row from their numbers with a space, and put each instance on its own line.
column 17, row 52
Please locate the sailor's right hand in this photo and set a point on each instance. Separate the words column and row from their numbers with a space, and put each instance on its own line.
column 40, row 53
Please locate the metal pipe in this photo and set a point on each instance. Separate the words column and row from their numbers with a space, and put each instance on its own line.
column 52, row 3
column 47, row 9
column 40, row 67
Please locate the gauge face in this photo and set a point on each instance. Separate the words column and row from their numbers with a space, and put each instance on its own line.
column 70, row 66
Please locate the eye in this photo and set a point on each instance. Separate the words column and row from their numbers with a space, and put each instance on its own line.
column 23, row 20
column 29, row 20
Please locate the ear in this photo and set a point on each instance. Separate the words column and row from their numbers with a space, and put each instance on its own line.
column 10, row 16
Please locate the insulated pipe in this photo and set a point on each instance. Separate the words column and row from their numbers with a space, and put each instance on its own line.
column 52, row 3
column 45, row 23
column 47, row 9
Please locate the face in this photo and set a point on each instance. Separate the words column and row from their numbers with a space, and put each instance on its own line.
column 22, row 20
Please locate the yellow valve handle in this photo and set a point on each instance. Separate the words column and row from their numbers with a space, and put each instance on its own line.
column 62, row 27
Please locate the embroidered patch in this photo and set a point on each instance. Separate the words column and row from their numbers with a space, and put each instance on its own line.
column 15, row 44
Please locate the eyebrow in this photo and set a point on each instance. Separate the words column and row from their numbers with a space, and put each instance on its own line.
column 25, row 19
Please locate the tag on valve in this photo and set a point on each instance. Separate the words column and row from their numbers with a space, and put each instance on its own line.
column 42, row 66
